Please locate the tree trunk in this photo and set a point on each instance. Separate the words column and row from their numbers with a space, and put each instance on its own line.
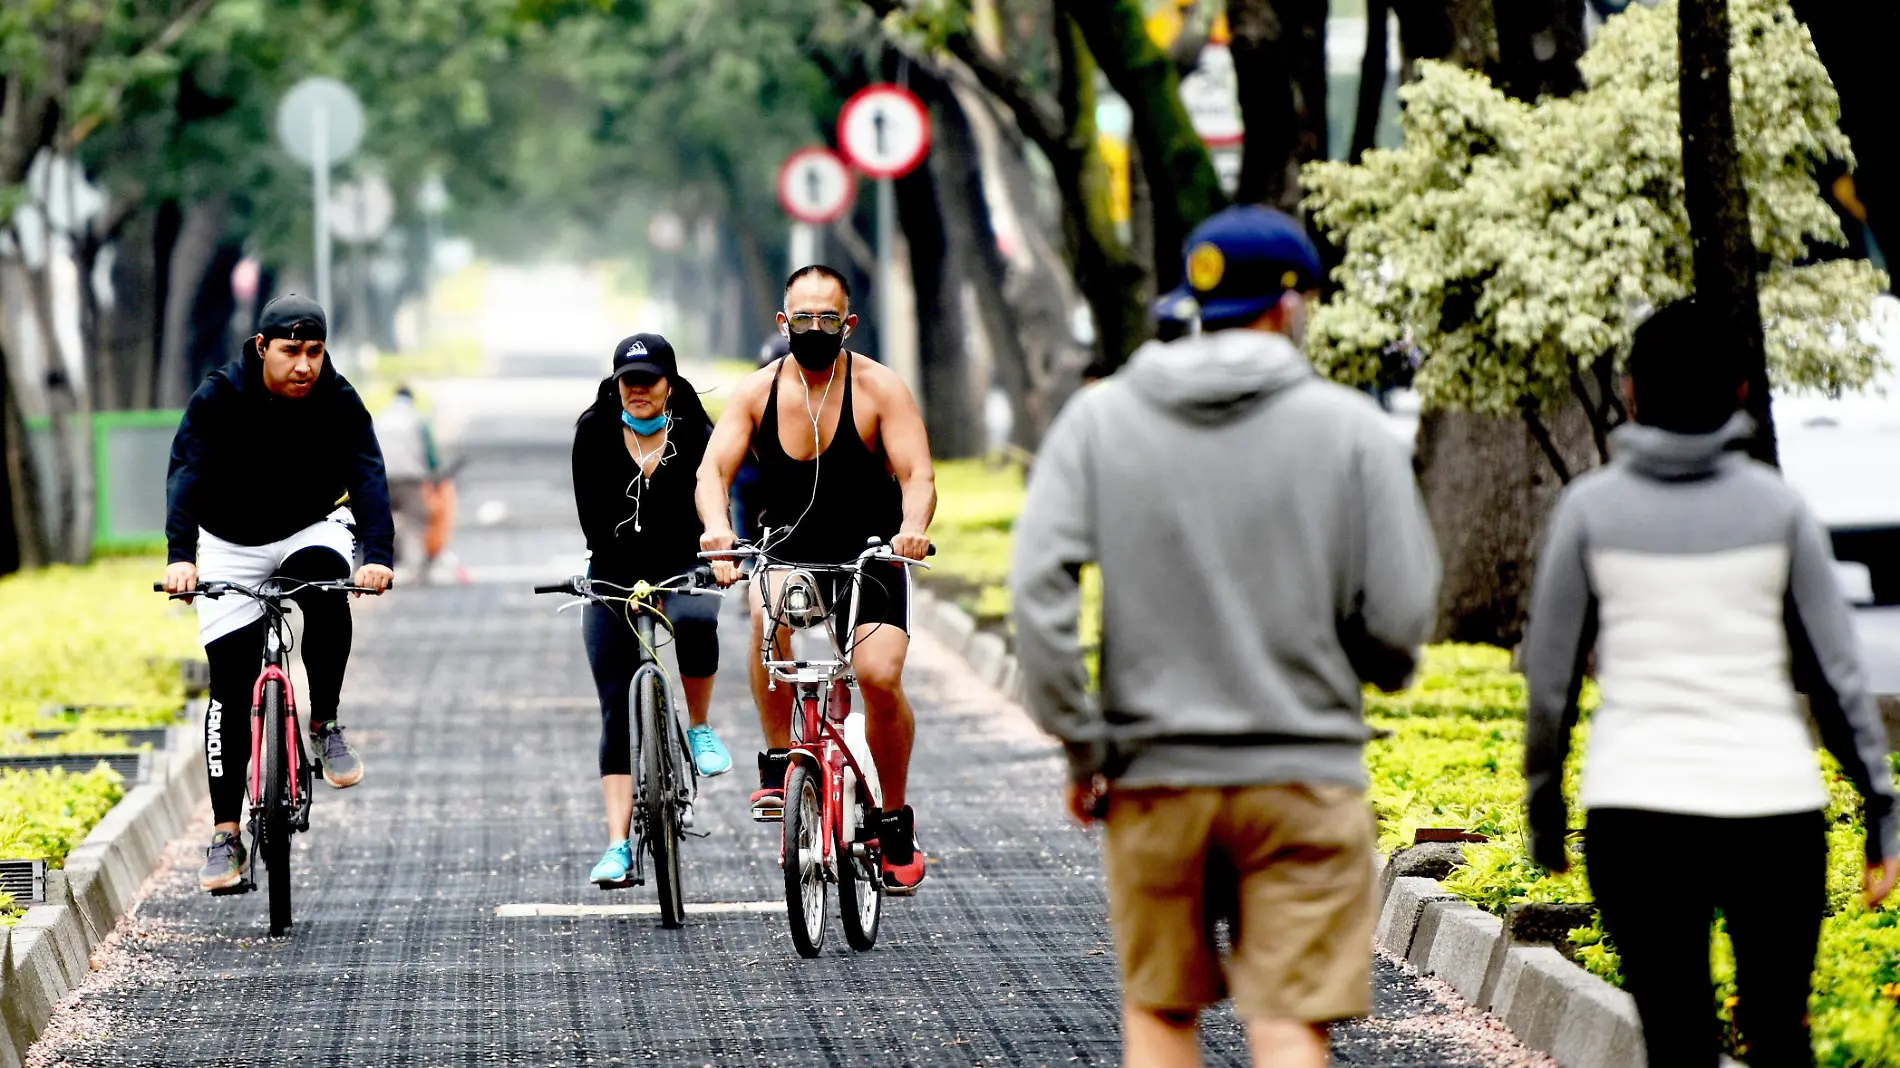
column 69, row 436
column 937, row 227
column 1488, row 488
column 1180, row 174
column 1263, row 76
column 1372, row 75
column 1539, row 43
column 1459, row 32
column 1718, row 208
column 1855, row 41
column 1110, row 279
column 12, row 506
column 1025, row 298
column 200, row 238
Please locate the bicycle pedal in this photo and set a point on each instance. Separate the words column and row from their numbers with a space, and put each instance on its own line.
column 622, row 885
column 768, row 814
column 234, row 889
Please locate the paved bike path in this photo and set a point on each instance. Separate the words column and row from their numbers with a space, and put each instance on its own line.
column 474, row 710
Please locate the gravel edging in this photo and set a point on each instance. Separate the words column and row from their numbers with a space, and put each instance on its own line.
column 1552, row 1005
column 48, row 953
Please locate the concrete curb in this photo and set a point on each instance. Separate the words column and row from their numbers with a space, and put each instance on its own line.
column 48, row 952
column 1552, row 1005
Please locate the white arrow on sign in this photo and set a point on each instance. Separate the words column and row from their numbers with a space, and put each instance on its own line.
column 362, row 210
column 1211, row 95
column 815, row 186
column 884, row 130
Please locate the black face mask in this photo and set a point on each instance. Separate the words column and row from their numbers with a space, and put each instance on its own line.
column 814, row 349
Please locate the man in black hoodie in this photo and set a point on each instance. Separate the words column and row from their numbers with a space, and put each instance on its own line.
column 270, row 447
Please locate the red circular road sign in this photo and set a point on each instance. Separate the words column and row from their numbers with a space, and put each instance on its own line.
column 885, row 130
column 815, row 186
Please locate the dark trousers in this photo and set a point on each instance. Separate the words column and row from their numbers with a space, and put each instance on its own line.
column 613, row 651
column 236, row 658
column 1659, row 911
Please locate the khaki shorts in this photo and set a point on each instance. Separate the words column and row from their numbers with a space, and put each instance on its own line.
column 1289, row 866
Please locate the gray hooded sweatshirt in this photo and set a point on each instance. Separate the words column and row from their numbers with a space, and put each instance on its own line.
column 1707, row 590
column 1263, row 551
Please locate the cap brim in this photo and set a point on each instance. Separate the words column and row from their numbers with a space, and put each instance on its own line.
column 640, row 368
column 1177, row 305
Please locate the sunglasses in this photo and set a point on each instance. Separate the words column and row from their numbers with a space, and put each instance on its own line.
column 803, row 322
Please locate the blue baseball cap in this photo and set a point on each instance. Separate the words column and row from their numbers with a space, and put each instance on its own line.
column 1239, row 262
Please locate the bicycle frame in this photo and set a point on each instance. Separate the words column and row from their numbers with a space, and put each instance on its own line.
column 274, row 669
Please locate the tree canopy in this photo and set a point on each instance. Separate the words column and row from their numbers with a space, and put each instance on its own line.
column 1517, row 245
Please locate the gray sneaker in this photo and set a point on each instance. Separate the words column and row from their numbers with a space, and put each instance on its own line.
column 342, row 768
column 224, row 862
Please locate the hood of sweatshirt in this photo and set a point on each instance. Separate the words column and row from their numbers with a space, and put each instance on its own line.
column 1216, row 377
column 1669, row 456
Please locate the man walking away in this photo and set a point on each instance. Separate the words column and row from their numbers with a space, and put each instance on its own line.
column 1707, row 591
column 1263, row 552
column 410, row 460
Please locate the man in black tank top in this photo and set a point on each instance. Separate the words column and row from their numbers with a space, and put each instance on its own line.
column 842, row 458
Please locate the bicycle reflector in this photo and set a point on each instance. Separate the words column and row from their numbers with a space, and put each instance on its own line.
column 799, row 603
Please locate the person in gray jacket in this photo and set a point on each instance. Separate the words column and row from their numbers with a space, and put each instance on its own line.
column 1706, row 589
column 1263, row 552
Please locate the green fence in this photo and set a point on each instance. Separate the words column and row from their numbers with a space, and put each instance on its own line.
column 130, row 454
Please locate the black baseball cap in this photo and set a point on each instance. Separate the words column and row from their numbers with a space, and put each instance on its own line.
column 646, row 354
column 294, row 318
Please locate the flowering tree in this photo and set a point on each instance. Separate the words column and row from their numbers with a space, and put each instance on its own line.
column 1518, row 245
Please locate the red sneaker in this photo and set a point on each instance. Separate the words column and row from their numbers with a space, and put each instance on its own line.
column 900, row 857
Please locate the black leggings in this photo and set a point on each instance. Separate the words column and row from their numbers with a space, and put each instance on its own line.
column 236, row 658
column 613, row 653
column 1661, row 927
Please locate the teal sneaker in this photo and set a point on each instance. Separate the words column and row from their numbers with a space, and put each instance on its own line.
column 709, row 753
column 615, row 867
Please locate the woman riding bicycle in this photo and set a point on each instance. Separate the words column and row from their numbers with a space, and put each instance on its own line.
column 636, row 452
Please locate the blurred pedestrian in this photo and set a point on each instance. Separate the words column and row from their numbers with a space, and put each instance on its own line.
column 1706, row 589
column 1244, row 605
column 410, row 459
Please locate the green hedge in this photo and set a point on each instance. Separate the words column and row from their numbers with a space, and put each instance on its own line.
column 93, row 635
column 1455, row 759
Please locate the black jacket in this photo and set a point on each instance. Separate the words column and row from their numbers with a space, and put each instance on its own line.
column 667, row 543
column 253, row 468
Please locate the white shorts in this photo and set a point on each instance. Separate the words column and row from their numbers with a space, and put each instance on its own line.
column 249, row 565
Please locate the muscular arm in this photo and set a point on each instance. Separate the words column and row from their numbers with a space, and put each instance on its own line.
column 907, row 447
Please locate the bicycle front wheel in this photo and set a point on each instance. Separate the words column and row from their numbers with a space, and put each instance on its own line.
column 273, row 831
column 805, row 890
column 659, row 777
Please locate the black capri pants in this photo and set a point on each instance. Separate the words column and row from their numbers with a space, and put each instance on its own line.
column 613, row 651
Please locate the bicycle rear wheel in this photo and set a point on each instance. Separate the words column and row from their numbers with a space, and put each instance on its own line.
column 805, row 891
column 860, row 884
column 273, row 831
column 659, row 777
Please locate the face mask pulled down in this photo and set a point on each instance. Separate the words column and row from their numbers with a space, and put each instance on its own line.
column 814, row 349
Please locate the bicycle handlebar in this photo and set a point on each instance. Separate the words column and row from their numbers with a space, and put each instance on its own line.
column 215, row 589
column 697, row 581
column 877, row 550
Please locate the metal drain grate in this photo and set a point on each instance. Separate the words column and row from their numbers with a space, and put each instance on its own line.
column 156, row 737
column 133, row 766
column 23, row 880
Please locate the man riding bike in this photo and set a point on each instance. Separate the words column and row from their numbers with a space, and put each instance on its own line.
column 269, row 446
column 849, row 464
column 635, row 452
